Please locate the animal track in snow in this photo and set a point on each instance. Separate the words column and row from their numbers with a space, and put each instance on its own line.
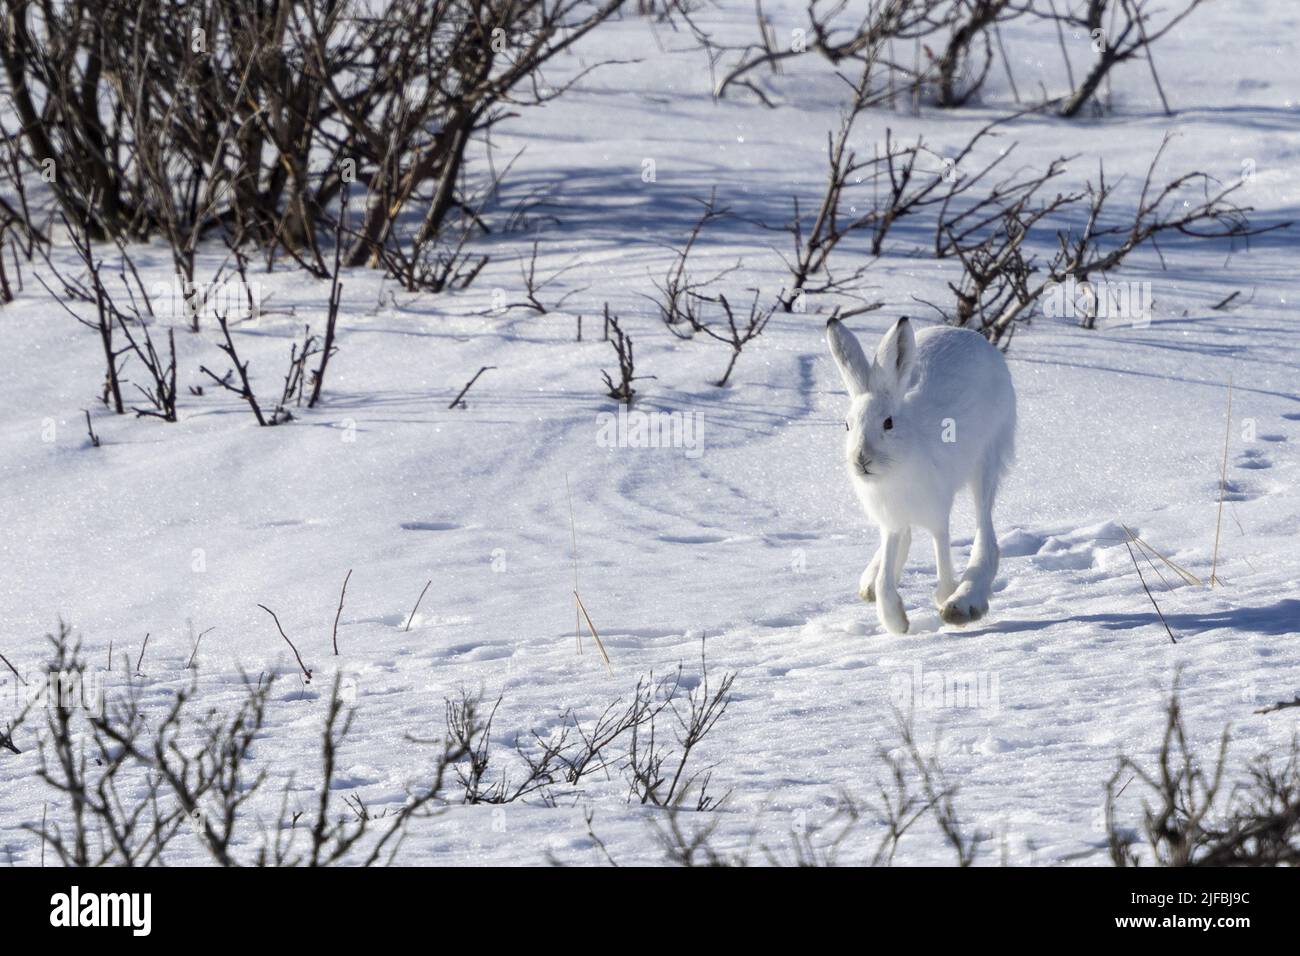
column 1236, row 491
column 1075, row 550
column 692, row 538
column 1254, row 460
column 1019, row 543
column 1058, row 555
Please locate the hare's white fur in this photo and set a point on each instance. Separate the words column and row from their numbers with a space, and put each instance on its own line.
column 948, row 399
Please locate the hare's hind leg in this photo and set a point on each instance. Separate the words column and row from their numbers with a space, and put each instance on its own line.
column 970, row 601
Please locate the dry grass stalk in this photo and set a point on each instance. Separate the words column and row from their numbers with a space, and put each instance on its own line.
column 580, row 611
column 600, row 645
column 1223, row 485
column 573, row 530
column 1177, row 568
column 1137, row 567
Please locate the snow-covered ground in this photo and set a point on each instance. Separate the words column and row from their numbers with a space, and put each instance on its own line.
column 750, row 542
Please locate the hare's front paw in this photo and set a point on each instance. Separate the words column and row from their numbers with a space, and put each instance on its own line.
column 964, row 606
column 867, row 585
column 941, row 594
column 889, row 610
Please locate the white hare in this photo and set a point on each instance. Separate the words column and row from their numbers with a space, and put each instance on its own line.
column 934, row 412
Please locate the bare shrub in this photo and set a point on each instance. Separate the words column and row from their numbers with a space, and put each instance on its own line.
column 411, row 88
column 1119, row 30
column 297, row 377
column 130, row 781
column 535, row 284
column 1003, row 281
column 124, row 307
column 838, row 32
column 740, row 329
column 869, row 197
column 626, row 737
column 657, row 772
column 19, row 232
column 915, row 788
column 968, row 24
column 683, row 299
column 1192, row 817
column 244, row 389
column 622, row 390
column 181, row 118
column 678, row 299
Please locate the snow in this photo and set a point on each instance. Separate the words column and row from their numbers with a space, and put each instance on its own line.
column 750, row 544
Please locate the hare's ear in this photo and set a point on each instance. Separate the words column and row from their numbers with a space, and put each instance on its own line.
column 895, row 356
column 849, row 357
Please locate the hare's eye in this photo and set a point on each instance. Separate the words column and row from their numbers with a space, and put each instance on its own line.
column 889, row 423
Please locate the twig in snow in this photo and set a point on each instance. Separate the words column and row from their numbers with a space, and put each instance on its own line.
column 533, row 287
column 305, row 671
column 1120, row 793
column 244, row 390
column 14, row 669
column 90, row 430
column 417, row 606
column 1225, row 302
column 139, row 661
column 1280, row 705
column 336, row 296
column 189, row 665
column 459, row 399
column 340, row 611
column 590, row 815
